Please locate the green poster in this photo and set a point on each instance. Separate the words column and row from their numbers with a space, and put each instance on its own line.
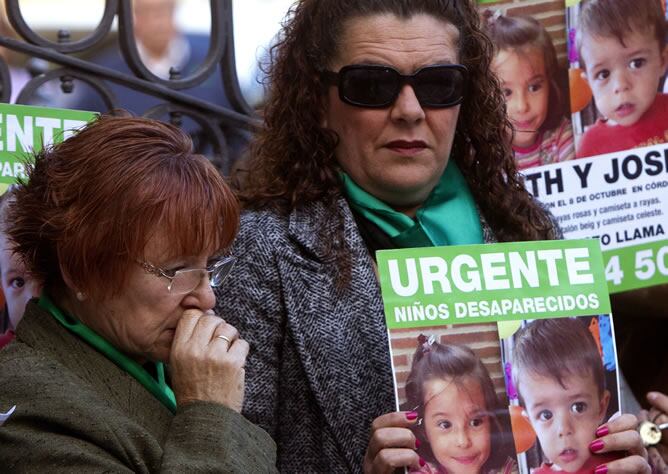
column 492, row 345
column 501, row 282
column 27, row 128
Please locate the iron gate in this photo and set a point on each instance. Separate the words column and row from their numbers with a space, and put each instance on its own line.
column 216, row 123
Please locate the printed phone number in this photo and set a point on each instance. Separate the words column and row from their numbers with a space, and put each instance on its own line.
column 647, row 264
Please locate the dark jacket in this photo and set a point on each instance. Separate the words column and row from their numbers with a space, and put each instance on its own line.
column 319, row 369
column 76, row 411
column 137, row 102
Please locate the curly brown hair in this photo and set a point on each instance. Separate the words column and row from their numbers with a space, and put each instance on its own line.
column 293, row 158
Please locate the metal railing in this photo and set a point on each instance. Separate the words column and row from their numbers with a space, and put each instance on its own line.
column 216, row 122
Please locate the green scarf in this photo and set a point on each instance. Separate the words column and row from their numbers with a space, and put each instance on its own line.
column 158, row 388
column 448, row 217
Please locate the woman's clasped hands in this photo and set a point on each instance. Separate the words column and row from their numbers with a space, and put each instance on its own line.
column 207, row 360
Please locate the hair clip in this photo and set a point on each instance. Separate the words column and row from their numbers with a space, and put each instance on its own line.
column 490, row 16
column 426, row 342
column 416, row 409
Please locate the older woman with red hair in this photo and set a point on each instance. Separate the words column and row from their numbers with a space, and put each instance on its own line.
column 128, row 230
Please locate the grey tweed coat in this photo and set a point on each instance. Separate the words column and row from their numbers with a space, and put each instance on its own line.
column 319, row 368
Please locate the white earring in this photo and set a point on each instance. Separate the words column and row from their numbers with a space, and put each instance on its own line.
column 81, row 296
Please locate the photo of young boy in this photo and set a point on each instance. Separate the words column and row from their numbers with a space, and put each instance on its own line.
column 566, row 392
column 463, row 426
column 622, row 48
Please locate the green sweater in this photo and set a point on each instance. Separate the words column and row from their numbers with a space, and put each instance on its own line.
column 76, row 411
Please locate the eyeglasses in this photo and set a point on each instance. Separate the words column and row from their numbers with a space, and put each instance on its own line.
column 374, row 86
column 186, row 280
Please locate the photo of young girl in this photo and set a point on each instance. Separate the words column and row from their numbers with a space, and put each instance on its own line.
column 564, row 377
column 526, row 66
column 462, row 426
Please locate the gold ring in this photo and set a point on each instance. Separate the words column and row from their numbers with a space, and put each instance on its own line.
column 224, row 338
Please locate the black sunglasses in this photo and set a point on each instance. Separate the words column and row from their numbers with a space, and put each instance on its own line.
column 371, row 85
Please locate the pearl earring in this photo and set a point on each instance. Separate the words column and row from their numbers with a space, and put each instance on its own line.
column 81, row 296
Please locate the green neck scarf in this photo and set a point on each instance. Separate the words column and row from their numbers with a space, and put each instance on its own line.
column 158, row 388
column 448, row 217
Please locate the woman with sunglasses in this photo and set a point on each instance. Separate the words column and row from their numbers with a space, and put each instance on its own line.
column 384, row 128
column 128, row 229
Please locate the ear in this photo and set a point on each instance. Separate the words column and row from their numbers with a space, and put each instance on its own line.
column 69, row 283
column 664, row 58
column 603, row 404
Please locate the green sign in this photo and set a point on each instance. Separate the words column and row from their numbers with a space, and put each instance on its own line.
column 493, row 282
column 27, row 128
column 637, row 266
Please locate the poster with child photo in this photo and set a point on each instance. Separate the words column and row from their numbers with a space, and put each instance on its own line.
column 584, row 82
column 580, row 78
column 561, row 376
column 505, row 352
column 453, row 378
column 530, row 62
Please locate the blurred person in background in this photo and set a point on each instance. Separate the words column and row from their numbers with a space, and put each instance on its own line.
column 18, row 74
column 161, row 46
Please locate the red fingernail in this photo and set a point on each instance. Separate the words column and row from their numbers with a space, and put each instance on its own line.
column 602, row 469
column 602, row 431
column 422, row 463
column 417, row 443
column 596, row 446
column 411, row 415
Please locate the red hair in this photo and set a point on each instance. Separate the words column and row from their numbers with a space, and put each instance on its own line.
column 91, row 204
